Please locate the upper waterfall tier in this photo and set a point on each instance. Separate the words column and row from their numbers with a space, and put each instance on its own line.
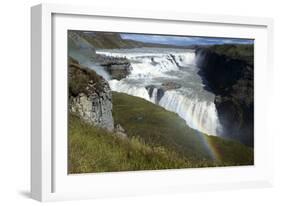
column 151, row 63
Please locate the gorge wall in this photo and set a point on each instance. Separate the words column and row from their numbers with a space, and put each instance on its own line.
column 231, row 80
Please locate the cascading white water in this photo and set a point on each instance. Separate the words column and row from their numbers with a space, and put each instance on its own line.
column 152, row 64
column 154, row 67
column 153, row 97
column 198, row 114
column 135, row 90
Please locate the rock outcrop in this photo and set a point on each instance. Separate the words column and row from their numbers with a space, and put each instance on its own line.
column 90, row 96
column 170, row 85
column 120, row 131
column 117, row 68
column 161, row 89
column 231, row 80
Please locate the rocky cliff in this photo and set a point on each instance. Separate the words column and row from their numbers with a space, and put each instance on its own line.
column 231, row 80
column 90, row 96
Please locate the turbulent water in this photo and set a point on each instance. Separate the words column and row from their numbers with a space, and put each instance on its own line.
column 152, row 67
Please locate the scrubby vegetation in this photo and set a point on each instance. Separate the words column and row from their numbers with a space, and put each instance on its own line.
column 243, row 52
column 157, row 139
column 80, row 77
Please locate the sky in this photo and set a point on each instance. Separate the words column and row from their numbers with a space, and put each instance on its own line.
column 184, row 40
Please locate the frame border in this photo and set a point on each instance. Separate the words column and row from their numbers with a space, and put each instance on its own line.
column 42, row 82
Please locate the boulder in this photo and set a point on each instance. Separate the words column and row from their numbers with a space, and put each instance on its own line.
column 120, row 131
column 170, row 85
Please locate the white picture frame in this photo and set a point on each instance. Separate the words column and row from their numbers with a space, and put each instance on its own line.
column 49, row 179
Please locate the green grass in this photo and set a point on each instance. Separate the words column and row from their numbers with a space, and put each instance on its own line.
column 157, row 126
column 232, row 152
column 92, row 149
column 157, row 139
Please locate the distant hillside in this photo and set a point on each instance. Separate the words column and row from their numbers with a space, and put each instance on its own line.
column 111, row 40
column 107, row 40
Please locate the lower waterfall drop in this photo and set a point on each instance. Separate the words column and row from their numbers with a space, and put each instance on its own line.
column 199, row 115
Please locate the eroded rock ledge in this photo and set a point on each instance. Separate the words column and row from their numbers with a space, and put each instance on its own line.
column 118, row 68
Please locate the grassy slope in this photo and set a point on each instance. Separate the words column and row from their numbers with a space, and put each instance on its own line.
column 232, row 152
column 93, row 149
column 157, row 126
column 158, row 139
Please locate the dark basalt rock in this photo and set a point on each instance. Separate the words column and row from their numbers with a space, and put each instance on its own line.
column 150, row 89
column 159, row 94
column 162, row 89
column 170, row 85
column 231, row 80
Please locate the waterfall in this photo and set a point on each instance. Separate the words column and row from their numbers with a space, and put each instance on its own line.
column 198, row 114
column 138, row 91
column 153, row 67
column 152, row 64
column 153, row 97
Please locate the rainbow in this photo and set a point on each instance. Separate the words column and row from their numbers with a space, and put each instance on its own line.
column 211, row 148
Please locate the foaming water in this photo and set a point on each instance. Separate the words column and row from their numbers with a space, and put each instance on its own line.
column 153, row 67
column 152, row 63
column 125, row 87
